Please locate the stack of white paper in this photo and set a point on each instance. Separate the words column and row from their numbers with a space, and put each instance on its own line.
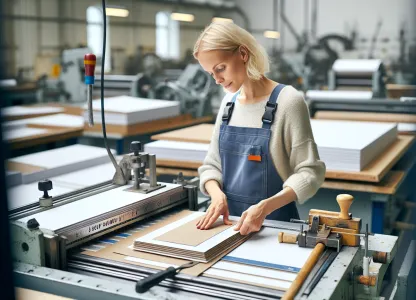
column 350, row 146
column 171, row 240
column 182, row 151
column 125, row 110
column 61, row 161
column 23, row 132
column 21, row 111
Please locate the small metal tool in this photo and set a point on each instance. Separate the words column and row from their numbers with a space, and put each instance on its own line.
column 146, row 283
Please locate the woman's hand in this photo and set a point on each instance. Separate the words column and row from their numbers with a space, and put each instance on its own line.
column 217, row 208
column 251, row 220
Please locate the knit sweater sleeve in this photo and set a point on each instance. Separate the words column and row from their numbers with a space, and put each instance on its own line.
column 211, row 167
column 307, row 170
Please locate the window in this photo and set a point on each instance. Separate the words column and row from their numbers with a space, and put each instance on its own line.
column 95, row 36
column 167, row 36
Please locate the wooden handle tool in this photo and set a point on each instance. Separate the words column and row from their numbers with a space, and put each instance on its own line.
column 304, row 272
column 344, row 202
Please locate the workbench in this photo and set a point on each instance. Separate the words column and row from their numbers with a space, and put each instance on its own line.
column 381, row 190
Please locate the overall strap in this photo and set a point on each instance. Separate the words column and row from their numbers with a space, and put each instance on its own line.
column 271, row 107
column 228, row 109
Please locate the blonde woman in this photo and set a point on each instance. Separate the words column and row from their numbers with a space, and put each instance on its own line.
column 262, row 157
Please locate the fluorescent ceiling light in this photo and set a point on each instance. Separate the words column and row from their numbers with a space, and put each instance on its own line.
column 271, row 34
column 182, row 17
column 219, row 19
column 116, row 12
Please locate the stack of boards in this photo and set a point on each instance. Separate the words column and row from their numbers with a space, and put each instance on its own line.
column 126, row 110
column 178, row 151
column 181, row 239
column 351, row 146
column 342, row 145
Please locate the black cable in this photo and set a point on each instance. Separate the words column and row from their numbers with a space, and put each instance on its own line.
column 102, row 87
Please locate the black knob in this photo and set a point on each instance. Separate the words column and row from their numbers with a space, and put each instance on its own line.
column 45, row 186
column 136, row 147
column 32, row 224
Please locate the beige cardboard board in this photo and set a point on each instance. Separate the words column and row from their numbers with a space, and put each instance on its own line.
column 189, row 234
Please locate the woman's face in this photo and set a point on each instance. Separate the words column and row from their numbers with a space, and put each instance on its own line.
column 226, row 67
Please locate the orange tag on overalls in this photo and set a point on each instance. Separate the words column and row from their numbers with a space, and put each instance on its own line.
column 254, row 157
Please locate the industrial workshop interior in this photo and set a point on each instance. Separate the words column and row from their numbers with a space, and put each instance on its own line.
column 208, row 149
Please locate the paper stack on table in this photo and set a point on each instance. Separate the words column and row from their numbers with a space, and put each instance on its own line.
column 23, row 132
column 52, row 121
column 24, row 111
column 349, row 145
column 126, row 110
column 181, row 239
column 41, row 165
column 173, row 150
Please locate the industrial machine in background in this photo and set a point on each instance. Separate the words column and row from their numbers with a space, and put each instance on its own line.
column 358, row 75
column 193, row 89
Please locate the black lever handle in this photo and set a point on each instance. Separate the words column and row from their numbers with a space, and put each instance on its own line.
column 146, row 283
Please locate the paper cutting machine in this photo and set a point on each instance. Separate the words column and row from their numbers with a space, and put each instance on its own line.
column 48, row 241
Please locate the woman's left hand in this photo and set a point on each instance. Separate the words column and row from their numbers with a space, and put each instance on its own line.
column 251, row 220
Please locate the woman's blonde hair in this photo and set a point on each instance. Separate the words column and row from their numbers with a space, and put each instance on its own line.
column 229, row 37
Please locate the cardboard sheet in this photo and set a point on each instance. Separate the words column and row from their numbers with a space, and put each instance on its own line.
column 120, row 250
column 188, row 234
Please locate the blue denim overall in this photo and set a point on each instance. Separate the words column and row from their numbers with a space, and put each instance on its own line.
column 249, row 174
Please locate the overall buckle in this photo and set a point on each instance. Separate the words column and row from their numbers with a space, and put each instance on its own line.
column 228, row 110
column 269, row 112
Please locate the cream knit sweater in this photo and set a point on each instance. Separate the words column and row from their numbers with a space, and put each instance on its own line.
column 292, row 146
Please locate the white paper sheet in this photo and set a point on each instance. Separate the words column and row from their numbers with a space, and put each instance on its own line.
column 248, row 278
column 256, row 271
column 264, row 248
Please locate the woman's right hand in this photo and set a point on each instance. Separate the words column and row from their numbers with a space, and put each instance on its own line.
column 217, row 208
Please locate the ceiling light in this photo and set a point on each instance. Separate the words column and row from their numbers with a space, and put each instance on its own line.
column 219, row 19
column 116, row 12
column 270, row 34
column 182, row 17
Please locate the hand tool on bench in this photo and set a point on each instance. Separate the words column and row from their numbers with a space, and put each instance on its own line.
column 146, row 283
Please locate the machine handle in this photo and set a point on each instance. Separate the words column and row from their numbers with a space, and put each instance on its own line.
column 146, row 283
column 287, row 238
column 344, row 201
